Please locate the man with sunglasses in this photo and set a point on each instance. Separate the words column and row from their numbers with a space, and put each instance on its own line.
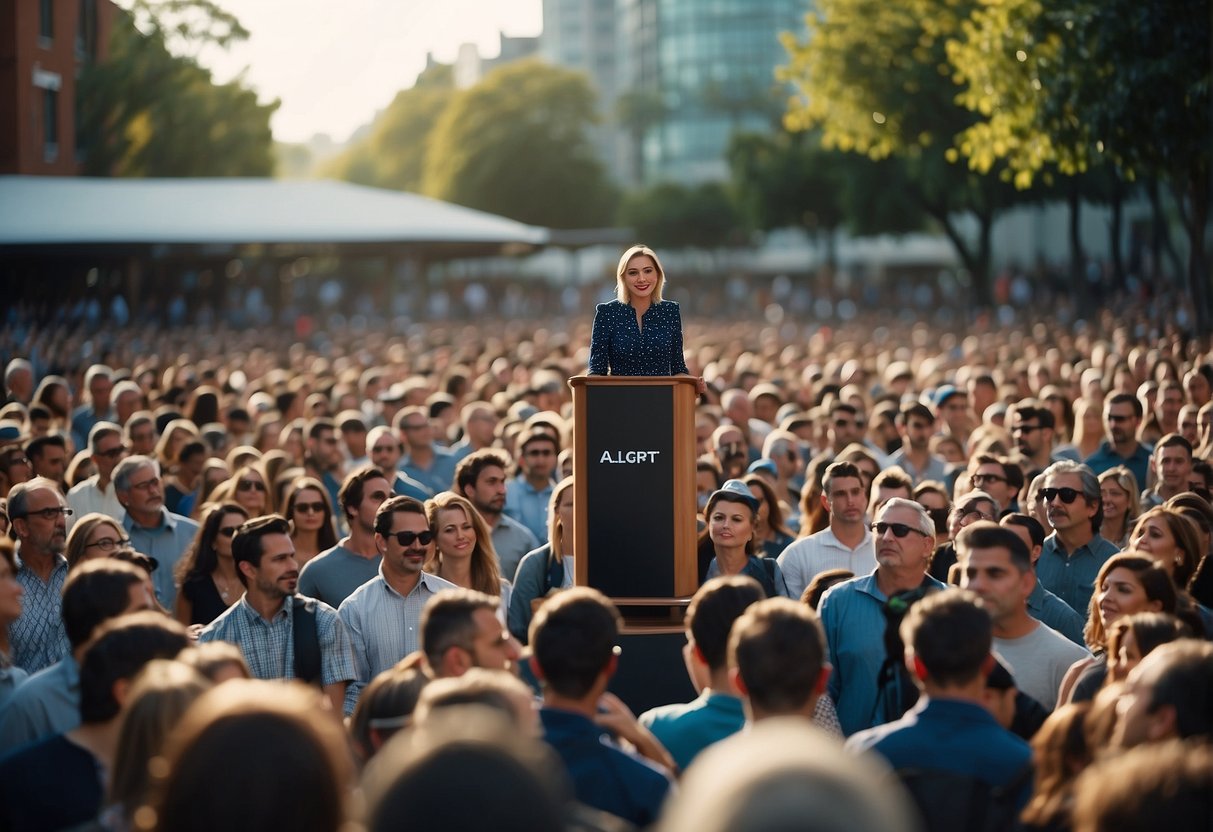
column 97, row 492
column 1122, row 417
column 1072, row 556
column 38, row 515
column 852, row 613
column 383, row 616
column 153, row 529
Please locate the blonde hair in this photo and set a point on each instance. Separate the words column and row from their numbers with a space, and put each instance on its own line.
column 486, row 575
column 621, row 285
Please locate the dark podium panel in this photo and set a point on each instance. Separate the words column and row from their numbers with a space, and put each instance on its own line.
column 634, row 491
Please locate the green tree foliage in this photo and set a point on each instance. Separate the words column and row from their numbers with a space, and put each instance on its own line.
column 1082, row 83
column 516, row 145
column 393, row 155
column 874, row 77
column 148, row 112
column 672, row 216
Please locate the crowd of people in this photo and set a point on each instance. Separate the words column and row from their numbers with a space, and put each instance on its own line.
column 947, row 582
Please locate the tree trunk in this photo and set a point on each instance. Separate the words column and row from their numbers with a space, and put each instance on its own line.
column 1196, row 218
column 976, row 262
column 1116, row 197
column 1078, row 258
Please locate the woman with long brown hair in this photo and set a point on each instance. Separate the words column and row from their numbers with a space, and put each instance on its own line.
column 207, row 580
column 464, row 553
column 308, row 509
column 547, row 569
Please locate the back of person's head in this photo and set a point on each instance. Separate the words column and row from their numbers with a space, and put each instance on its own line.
column 1180, row 676
column 118, row 650
column 822, row 582
column 496, row 689
column 158, row 698
column 778, row 650
column 572, row 639
column 784, row 775
column 96, row 591
column 467, row 769
column 385, row 707
column 448, row 620
column 252, row 755
column 1163, row 786
column 949, row 636
column 218, row 661
column 713, row 609
column 1059, row 754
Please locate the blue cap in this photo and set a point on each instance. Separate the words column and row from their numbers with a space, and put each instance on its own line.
column 10, row 430
column 943, row 393
column 763, row 464
column 738, row 491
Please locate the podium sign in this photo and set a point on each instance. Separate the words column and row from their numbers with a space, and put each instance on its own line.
column 634, row 468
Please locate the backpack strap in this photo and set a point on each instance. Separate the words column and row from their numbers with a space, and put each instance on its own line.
column 306, row 640
column 553, row 574
column 768, row 568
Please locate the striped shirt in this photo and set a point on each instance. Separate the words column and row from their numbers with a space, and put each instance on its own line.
column 269, row 646
column 808, row 557
column 38, row 637
column 384, row 626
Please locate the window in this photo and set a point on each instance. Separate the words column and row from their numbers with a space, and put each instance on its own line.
column 50, row 125
column 86, row 30
column 46, row 19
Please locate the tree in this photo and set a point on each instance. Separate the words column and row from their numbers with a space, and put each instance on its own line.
column 394, row 154
column 638, row 111
column 148, row 112
column 874, row 77
column 1077, row 84
column 668, row 215
column 516, row 145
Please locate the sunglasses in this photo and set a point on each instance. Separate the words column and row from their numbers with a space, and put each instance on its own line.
column 406, row 538
column 939, row 516
column 230, row 531
column 1067, row 495
column 113, row 453
column 899, row 529
column 982, row 479
column 310, row 508
column 250, row 485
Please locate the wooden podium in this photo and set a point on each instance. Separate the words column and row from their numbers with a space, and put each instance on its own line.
column 634, row 499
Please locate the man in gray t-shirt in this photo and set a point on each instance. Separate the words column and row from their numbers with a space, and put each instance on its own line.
column 334, row 574
column 997, row 565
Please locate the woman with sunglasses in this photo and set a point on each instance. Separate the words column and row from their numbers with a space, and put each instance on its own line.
column 464, row 553
column 207, row 580
column 93, row 536
column 311, row 516
column 1121, row 504
column 246, row 487
column 549, row 568
column 727, row 547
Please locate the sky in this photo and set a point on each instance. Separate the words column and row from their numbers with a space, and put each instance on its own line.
column 333, row 65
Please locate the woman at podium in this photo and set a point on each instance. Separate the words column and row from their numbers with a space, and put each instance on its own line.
column 638, row 334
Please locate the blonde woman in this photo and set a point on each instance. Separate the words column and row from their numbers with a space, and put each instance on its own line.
column 549, row 568
column 1121, row 495
column 464, row 553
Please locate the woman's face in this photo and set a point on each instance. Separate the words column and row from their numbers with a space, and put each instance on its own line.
column 456, row 536
column 641, row 278
column 564, row 511
column 58, row 398
column 309, row 510
column 1154, row 536
column 293, row 445
column 1115, row 500
column 10, row 594
column 1121, row 594
column 175, row 440
column 1092, row 422
column 227, row 529
column 102, row 539
column 251, row 493
column 1126, row 658
column 764, row 510
column 730, row 524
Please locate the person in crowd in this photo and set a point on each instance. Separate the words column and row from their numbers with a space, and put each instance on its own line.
column 1033, row 427
column 970, row 508
column 1073, row 555
column 933, row 496
column 48, row 458
column 916, row 424
column 1168, row 696
column 96, row 493
column 173, row 437
column 479, row 423
column 139, row 433
column 549, row 568
column 1121, row 499
column 573, row 638
column 383, row 616
column 1060, row 752
column 1170, row 780
column 308, row 507
column 889, row 483
column 97, row 407
column 278, row 760
column 38, row 515
column 998, row 477
column 386, row 449
column 852, row 614
column 949, row 733
column 152, row 528
column 425, row 460
column 464, row 554
column 93, row 536
column 727, row 546
column 1043, row 605
column 385, row 707
column 18, row 381
column 1122, row 419
column 55, row 395
column 461, row 629
column 247, row 486
column 11, row 676
column 322, row 458
column 186, row 476
column 1133, row 637
column 847, row 542
column 771, row 534
column 208, row 581
column 1171, row 462
column 528, row 493
column 334, row 574
column 997, row 567
column 262, row 622
column 481, row 478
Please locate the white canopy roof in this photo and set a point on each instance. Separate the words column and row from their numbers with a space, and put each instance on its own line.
column 77, row 210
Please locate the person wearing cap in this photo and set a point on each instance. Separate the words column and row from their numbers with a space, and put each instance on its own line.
column 952, row 410
column 727, row 545
column 916, row 423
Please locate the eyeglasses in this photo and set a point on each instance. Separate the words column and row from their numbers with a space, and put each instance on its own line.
column 1067, row 495
column 540, row 452
column 899, row 529
column 982, row 479
column 1025, row 428
column 310, row 508
column 384, row 449
column 48, row 513
column 1117, row 419
column 965, row 511
column 113, row 453
column 228, row 531
column 250, row 485
column 105, row 544
column 406, row 538
column 147, row 485
column 17, row 460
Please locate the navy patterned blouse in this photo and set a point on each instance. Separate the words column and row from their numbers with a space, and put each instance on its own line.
column 619, row 348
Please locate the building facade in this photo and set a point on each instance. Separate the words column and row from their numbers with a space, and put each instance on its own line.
column 44, row 44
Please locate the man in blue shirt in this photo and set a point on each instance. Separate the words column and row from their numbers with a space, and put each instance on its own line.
column 527, row 495
column 154, row 530
column 852, row 612
column 425, row 461
column 948, row 638
column 574, row 656
column 1122, row 417
column 687, row 729
column 1072, row 556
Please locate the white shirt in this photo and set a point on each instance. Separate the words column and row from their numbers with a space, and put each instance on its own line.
column 808, row 557
column 88, row 497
